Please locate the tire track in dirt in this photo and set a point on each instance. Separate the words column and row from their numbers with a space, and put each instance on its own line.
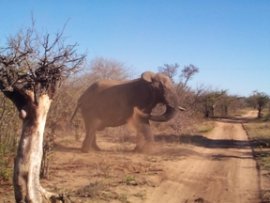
column 222, row 170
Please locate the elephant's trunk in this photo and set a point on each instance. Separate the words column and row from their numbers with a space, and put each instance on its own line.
column 167, row 115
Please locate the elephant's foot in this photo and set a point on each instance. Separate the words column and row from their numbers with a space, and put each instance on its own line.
column 85, row 146
column 138, row 148
column 95, row 148
column 145, row 148
column 86, row 149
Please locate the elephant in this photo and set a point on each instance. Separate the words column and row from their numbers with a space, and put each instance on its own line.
column 111, row 103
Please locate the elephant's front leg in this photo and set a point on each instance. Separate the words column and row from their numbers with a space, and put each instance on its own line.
column 89, row 139
column 144, row 135
column 94, row 145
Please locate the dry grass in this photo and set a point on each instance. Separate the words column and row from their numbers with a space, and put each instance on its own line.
column 258, row 130
column 259, row 134
column 241, row 111
column 205, row 126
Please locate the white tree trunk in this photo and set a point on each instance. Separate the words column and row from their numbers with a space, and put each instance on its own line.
column 29, row 155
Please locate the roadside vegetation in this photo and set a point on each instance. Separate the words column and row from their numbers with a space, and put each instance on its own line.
column 258, row 131
column 9, row 126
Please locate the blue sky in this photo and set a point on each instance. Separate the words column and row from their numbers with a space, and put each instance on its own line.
column 228, row 40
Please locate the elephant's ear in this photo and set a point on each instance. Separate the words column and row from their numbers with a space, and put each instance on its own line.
column 148, row 76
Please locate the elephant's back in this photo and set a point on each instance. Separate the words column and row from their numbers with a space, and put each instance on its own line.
column 95, row 90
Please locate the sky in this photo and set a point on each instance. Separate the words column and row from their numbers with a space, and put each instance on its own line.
column 228, row 40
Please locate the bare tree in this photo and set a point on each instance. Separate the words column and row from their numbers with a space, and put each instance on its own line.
column 31, row 69
column 187, row 73
column 102, row 68
column 169, row 69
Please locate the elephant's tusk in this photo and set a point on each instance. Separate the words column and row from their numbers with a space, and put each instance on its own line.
column 181, row 108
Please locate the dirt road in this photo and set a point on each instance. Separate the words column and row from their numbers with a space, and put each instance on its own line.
column 220, row 168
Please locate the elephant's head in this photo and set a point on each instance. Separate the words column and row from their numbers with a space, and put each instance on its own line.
column 163, row 92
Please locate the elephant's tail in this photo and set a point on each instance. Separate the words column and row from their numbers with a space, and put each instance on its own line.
column 74, row 113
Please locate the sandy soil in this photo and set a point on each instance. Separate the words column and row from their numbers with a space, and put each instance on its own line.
column 211, row 168
column 222, row 169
